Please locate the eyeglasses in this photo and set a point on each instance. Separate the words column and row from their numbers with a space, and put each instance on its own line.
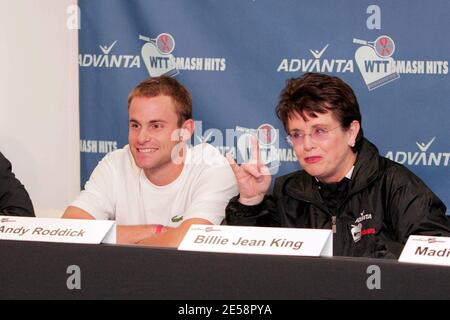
column 317, row 135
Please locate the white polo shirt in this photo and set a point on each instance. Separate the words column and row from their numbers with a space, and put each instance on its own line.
column 119, row 190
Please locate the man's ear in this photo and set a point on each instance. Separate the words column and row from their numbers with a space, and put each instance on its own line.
column 187, row 130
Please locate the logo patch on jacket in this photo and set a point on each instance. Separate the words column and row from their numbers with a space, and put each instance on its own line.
column 359, row 229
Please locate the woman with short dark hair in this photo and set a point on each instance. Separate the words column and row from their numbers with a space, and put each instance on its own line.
column 371, row 203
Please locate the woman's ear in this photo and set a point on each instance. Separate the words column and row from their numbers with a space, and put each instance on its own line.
column 353, row 131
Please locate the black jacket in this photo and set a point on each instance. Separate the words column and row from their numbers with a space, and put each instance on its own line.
column 14, row 199
column 384, row 205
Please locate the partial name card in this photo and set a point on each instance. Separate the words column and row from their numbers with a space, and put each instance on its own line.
column 427, row 250
column 57, row 230
column 259, row 240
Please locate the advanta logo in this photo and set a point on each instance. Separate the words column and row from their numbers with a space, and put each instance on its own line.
column 106, row 49
column 424, row 147
column 318, row 54
column 422, row 157
column 107, row 60
column 316, row 64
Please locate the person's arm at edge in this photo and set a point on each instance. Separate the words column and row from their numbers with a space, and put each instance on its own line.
column 171, row 237
column 14, row 198
column 76, row 213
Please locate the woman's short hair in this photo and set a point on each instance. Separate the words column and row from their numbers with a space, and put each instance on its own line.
column 315, row 93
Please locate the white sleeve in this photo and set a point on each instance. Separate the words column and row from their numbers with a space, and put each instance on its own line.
column 97, row 198
column 213, row 190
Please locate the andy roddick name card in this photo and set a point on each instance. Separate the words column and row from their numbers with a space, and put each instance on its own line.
column 57, row 230
column 259, row 240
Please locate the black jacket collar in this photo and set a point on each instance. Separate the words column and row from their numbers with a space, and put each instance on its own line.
column 302, row 186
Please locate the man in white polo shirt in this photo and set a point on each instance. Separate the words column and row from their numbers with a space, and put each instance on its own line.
column 156, row 186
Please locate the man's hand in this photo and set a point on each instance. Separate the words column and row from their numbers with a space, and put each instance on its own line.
column 171, row 237
column 253, row 177
column 135, row 234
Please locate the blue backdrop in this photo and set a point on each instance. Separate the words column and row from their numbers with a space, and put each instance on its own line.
column 235, row 56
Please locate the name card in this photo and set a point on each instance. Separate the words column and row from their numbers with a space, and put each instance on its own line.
column 57, row 230
column 427, row 250
column 259, row 240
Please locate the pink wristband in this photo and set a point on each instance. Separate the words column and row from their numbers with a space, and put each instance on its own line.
column 158, row 229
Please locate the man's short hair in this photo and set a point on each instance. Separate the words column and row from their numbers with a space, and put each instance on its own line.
column 315, row 93
column 166, row 86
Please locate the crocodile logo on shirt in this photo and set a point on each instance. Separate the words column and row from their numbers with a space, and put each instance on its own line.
column 177, row 218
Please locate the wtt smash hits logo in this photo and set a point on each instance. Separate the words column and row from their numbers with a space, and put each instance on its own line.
column 375, row 61
column 423, row 157
column 156, row 54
